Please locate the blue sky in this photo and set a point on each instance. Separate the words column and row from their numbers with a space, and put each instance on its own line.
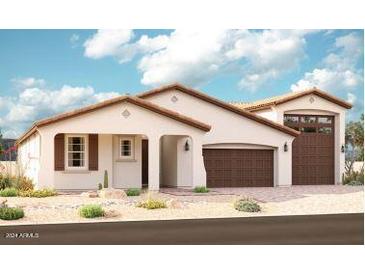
column 43, row 72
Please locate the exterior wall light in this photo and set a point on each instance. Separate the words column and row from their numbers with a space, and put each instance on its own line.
column 285, row 147
column 187, row 146
column 343, row 149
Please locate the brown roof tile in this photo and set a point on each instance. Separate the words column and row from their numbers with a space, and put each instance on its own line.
column 272, row 101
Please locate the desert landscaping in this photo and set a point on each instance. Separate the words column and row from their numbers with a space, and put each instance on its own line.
column 184, row 203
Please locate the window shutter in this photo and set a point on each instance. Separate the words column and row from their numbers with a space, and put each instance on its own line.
column 93, row 152
column 59, row 152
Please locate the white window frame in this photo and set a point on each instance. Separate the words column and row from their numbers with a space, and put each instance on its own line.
column 121, row 156
column 86, row 152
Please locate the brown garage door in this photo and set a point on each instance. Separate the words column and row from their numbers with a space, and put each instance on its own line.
column 239, row 167
column 313, row 149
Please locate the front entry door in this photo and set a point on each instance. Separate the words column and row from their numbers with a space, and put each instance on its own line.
column 145, row 162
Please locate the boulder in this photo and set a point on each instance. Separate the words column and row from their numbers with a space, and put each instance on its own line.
column 89, row 194
column 111, row 193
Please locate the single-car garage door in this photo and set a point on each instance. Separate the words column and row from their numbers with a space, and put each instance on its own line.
column 313, row 150
column 239, row 167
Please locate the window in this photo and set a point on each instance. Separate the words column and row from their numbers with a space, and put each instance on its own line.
column 291, row 119
column 325, row 130
column 308, row 129
column 126, row 148
column 324, row 120
column 308, row 119
column 76, row 151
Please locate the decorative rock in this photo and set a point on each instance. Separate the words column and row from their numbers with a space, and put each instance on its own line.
column 89, row 194
column 112, row 194
column 174, row 204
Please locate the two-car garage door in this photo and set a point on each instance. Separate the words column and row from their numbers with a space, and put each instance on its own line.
column 239, row 167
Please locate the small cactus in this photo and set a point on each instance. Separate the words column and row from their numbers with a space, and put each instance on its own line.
column 106, row 179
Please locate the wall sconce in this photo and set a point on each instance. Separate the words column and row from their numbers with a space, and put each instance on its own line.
column 187, row 146
column 343, row 149
column 285, row 147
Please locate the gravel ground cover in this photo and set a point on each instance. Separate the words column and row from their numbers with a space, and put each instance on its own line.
column 217, row 203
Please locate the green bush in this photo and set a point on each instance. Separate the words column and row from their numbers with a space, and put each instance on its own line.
column 200, row 189
column 247, row 205
column 6, row 181
column 152, row 204
column 356, row 183
column 9, row 192
column 11, row 213
column 354, row 178
column 40, row 193
column 91, row 211
column 133, row 192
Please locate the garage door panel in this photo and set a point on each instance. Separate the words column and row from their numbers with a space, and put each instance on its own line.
column 239, row 168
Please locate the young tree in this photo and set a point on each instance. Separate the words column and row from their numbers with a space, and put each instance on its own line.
column 355, row 140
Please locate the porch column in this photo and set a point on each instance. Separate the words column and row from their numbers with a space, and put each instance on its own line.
column 154, row 163
column 199, row 173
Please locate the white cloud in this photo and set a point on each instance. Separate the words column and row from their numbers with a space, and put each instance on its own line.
column 106, row 43
column 35, row 103
column 194, row 57
column 74, row 39
column 339, row 72
column 28, row 82
column 351, row 98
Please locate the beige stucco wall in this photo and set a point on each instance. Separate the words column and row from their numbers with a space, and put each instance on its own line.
column 28, row 162
column 318, row 106
column 228, row 127
column 108, row 121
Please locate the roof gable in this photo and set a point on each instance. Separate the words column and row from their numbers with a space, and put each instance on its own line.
column 277, row 100
column 130, row 99
column 219, row 103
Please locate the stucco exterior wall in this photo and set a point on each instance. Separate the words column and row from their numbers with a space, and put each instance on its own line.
column 127, row 173
column 108, row 121
column 318, row 106
column 29, row 158
column 228, row 127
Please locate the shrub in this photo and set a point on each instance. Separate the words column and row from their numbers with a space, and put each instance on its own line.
column 23, row 183
column 354, row 178
column 133, row 192
column 91, row 211
column 11, row 213
column 106, row 180
column 152, row 204
column 40, row 193
column 356, row 183
column 100, row 186
column 6, row 181
column 201, row 189
column 247, row 205
column 9, row 192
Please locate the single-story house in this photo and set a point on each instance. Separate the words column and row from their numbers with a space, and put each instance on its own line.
column 176, row 136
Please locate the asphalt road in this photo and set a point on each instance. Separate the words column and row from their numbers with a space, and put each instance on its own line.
column 306, row 229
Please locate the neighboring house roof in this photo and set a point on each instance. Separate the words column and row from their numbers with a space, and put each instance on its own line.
column 221, row 104
column 269, row 102
column 130, row 99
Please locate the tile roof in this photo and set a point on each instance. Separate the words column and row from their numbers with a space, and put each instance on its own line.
column 276, row 100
